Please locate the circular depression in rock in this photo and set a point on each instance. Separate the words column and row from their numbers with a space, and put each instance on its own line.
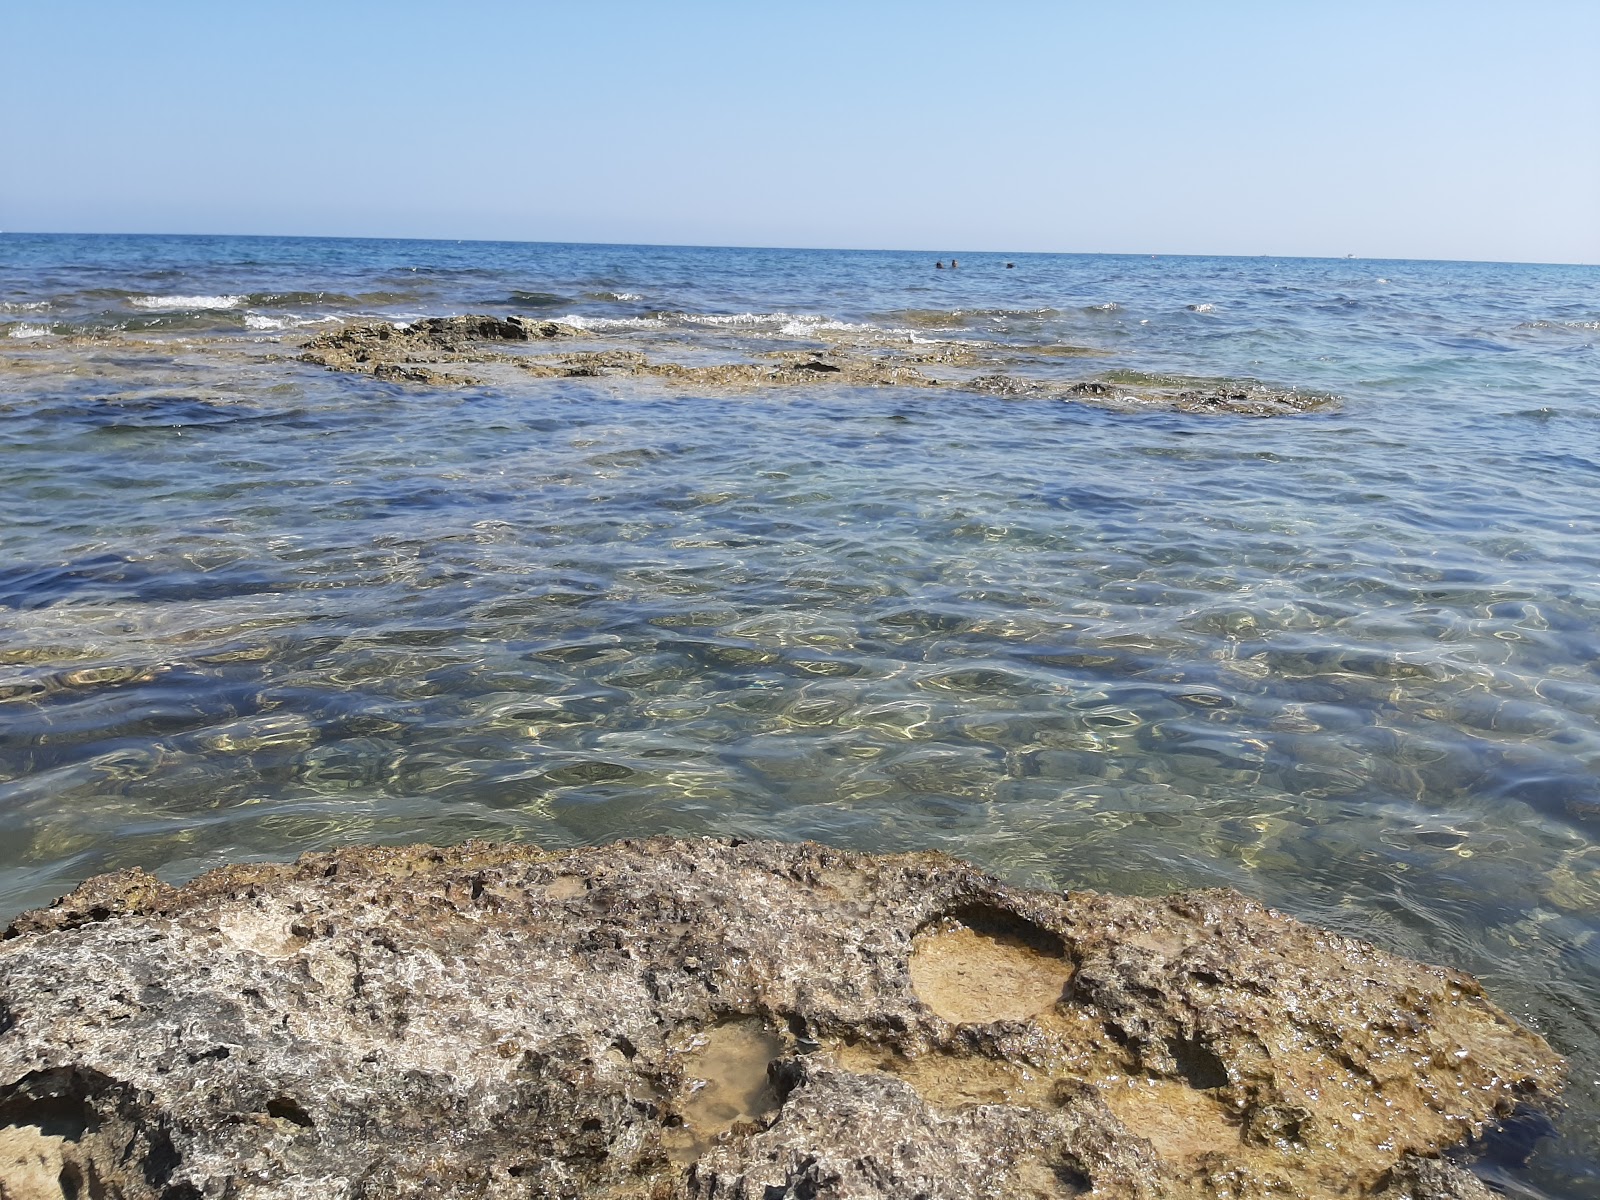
column 978, row 965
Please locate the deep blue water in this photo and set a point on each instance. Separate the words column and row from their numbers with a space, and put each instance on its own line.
column 1346, row 661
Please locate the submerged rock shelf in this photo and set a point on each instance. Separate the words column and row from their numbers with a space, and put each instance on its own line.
column 729, row 1020
column 408, row 354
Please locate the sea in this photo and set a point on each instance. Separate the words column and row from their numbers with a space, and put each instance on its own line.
column 1346, row 660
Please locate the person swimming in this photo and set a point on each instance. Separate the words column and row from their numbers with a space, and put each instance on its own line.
column 939, row 265
column 954, row 264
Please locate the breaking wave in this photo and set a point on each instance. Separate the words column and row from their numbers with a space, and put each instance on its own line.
column 1565, row 326
column 190, row 302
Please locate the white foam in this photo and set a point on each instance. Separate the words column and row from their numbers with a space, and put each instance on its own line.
column 29, row 331
column 625, row 295
column 168, row 302
column 801, row 326
column 1202, row 308
column 738, row 318
column 24, row 306
column 780, row 323
column 257, row 321
column 1585, row 326
column 600, row 324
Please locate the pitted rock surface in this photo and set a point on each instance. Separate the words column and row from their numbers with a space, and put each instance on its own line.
column 723, row 1019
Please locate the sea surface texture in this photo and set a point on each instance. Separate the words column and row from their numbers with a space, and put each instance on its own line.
column 1346, row 660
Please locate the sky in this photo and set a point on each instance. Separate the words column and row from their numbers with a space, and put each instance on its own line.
column 1402, row 129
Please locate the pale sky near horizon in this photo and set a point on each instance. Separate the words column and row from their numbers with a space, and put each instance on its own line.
column 1466, row 130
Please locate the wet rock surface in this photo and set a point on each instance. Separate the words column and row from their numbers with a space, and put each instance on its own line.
column 398, row 354
column 718, row 1019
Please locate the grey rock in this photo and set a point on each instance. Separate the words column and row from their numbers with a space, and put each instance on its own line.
column 727, row 1020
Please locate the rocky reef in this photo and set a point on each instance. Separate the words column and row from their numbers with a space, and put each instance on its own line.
column 408, row 354
column 724, row 1020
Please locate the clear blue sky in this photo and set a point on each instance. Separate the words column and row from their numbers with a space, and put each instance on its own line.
column 1396, row 129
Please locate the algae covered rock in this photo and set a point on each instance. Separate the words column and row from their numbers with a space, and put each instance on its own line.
column 723, row 1019
column 386, row 349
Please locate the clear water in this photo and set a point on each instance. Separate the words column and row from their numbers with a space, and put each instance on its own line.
column 1347, row 662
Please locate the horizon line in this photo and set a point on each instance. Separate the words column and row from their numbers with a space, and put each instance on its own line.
column 334, row 237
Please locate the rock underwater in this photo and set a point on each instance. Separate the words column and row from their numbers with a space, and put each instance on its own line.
column 723, row 1020
column 408, row 354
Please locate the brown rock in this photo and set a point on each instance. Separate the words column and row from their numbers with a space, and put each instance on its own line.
column 738, row 1021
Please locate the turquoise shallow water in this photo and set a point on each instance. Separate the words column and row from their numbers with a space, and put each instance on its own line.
column 1345, row 661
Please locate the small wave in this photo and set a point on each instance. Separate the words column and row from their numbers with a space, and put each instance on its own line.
column 601, row 324
column 266, row 323
column 736, row 318
column 1108, row 306
column 1573, row 326
column 177, row 302
column 289, row 299
column 626, row 297
column 535, row 299
column 20, row 306
column 956, row 318
column 21, row 330
column 804, row 326
column 1202, row 308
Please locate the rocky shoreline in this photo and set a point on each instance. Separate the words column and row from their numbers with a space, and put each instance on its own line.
column 409, row 354
column 512, row 352
column 729, row 1020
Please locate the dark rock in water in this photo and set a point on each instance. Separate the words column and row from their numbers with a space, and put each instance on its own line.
column 1002, row 385
column 727, row 1021
column 401, row 354
column 384, row 349
column 401, row 373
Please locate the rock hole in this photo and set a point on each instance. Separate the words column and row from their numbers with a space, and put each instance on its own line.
column 55, row 1102
column 1118, row 1034
column 1072, row 1179
column 804, row 1042
column 980, row 964
column 1048, row 1181
column 1198, row 1064
column 283, row 1108
column 727, row 1084
column 70, row 1181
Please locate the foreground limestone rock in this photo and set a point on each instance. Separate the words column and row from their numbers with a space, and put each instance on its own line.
column 727, row 1020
